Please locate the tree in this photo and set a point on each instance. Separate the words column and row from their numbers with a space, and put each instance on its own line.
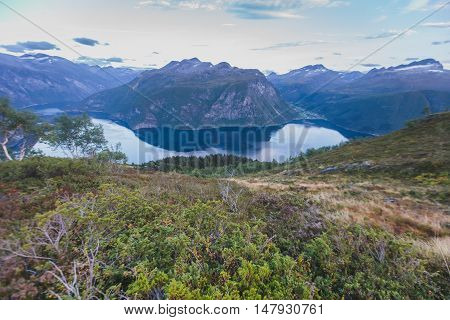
column 113, row 156
column 18, row 127
column 77, row 136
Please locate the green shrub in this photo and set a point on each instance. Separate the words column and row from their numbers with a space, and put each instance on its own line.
column 40, row 171
column 210, row 166
column 362, row 263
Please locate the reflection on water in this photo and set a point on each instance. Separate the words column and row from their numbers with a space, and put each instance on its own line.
column 276, row 143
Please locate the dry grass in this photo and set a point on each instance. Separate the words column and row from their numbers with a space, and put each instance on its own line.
column 383, row 204
column 439, row 247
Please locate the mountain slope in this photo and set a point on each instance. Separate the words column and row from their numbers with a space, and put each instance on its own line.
column 194, row 93
column 397, row 182
column 422, row 146
column 307, row 80
column 42, row 79
column 378, row 102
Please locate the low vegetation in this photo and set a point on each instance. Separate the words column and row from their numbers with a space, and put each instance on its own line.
column 92, row 228
column 209, row 166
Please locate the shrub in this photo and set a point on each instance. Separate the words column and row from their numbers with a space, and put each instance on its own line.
column 40, row 171
column 362, row 263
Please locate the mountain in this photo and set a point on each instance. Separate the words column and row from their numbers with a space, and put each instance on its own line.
column 381, row 101
column 309, row 79
column 41, row 79
column 193, row 93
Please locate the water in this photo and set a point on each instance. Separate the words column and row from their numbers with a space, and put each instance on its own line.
column 276, row 143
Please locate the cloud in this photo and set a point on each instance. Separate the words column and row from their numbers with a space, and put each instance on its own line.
column 86, row 41
column 338, row 4
column 380, row 18
column 21, row 47
column 100, row 61
column 319, row 58
column 416, row 5
column 262, row 10
column 37, row 45
column 248, row 9
column 388, row 34
column 438, row 43
column 371, row 65
column 412, row 59
column 337, row 53
column 181, row 4
column 290, row 45
column 13, row 48
column 437, row 24
column 114, row 59
column 324, row 3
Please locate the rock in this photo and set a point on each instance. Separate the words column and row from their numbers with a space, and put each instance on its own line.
column 390, row 200
column 329, row 169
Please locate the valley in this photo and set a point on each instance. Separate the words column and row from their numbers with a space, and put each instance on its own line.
column 366, row 220
column 207, row 181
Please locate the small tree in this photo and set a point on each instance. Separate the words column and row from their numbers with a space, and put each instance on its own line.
column 21, row 128
column 77, row 135
column 113, row 156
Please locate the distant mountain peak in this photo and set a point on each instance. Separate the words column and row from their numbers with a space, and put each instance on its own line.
column 40, row 79
column 42, row 58
column 426, row 62
column 187, row 66
column 194, row 60
column 426, row 65
column 223, row 65
column 311, row 69
column 316, row 67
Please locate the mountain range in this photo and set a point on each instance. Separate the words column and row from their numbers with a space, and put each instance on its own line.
column 379, row 101
column 195, row 94
column 41, row 79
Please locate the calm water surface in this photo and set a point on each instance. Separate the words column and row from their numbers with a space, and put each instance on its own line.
column 279, row 144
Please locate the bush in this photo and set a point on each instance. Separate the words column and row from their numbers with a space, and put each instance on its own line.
column 75, row 175
column 175, row 252
column 362, row 263
column 67, row 231
column 209, row 166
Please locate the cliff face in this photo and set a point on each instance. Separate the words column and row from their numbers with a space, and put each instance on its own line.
column 194, row 94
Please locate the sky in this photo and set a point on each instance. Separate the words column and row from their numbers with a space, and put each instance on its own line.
column 269, row 35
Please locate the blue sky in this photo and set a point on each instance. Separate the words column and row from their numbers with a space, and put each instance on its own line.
column 277, row 35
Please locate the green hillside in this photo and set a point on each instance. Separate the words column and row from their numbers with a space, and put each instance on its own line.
column 423, row 146
column 378, row 230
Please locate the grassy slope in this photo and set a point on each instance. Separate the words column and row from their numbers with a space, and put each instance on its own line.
column 399, row 182
column 288, row 233
column 422, row 145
